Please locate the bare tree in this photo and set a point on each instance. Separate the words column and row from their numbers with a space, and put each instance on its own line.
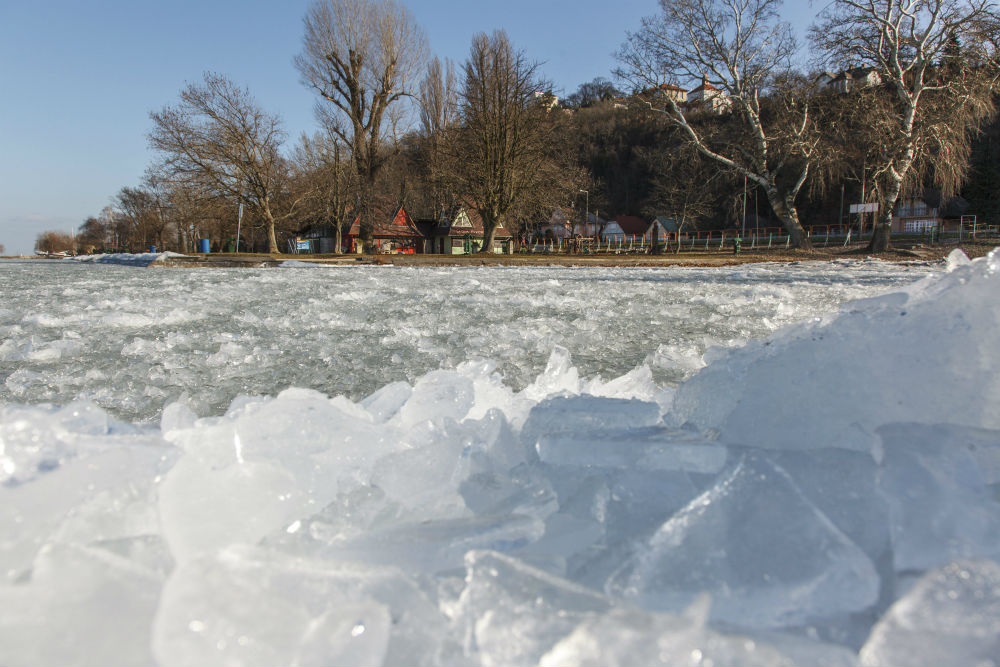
column 363, row 57
column 219, row 139
column 322, row 171
column 742, row 50
column 52, row 241
column 937, row 61
column 503, row 155
column 143, row 211
column 685, row 187
column 438, row 116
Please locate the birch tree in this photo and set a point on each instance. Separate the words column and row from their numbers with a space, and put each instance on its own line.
column 363, row 58
column 438, row 118
column 742, row 49
column 937, row 61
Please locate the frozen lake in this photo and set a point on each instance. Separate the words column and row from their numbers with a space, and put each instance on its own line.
column 132, row 340
column 762, row 465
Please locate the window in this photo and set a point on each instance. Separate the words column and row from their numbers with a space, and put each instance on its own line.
column 919, row 226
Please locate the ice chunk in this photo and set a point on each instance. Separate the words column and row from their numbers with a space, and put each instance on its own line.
column 942, row 507
column 957, row 259
column 437, row 395
column 513, row 614
column 844, row 486
column 83, row 606
column 247, row 606
column 637, row 383
column 951, row 617
column 559, row 376
column 586, row 417
column 205, row 510
column 177, row 415
column 89, row 498
column 623, row 638
column 767, row 555
column 808, row 387
column 433, row 546
column 305, row 419
column 440, row 456
column 387, row 401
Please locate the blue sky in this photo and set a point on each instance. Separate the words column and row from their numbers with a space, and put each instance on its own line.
column 78, row 79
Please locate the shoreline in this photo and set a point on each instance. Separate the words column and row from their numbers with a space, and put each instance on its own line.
column 900, row 254
column 914, row 253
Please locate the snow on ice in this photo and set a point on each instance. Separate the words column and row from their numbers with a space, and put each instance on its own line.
column 374, row 467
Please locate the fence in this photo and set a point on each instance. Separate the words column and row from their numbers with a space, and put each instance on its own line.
column 760, row 239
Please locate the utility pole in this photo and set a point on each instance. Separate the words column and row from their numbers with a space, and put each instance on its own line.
column 840, row 220
column 239, row 223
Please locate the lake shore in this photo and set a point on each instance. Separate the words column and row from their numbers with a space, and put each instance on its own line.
column 908, row 253
column 900, row 253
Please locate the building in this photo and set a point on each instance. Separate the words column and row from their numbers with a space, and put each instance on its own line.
column 460, row 231
column 926, row 213
column 854, row 78
column 708, row 97
column 394, row 233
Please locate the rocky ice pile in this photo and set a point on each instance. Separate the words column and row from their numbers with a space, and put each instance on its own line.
column 829, row 495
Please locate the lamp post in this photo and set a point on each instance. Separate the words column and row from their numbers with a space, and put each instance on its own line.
column 586, row 211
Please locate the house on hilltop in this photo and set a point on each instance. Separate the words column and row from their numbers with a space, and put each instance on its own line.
column 708, row 97
column 854, row 78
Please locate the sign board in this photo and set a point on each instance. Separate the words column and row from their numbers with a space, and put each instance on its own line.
column 301, row 245
column 864, row 208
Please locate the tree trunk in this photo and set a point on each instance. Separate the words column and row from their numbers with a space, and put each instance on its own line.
column 882, row 233
column 789, row 219
column 881, row 236
column 489, row 233
column 272, row 241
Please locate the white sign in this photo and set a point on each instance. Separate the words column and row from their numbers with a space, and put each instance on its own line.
column 864, row 208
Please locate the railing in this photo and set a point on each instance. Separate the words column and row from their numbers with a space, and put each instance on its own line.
column 759, row 239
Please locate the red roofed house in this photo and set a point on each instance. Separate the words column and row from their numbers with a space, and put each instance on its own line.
column 394, row 233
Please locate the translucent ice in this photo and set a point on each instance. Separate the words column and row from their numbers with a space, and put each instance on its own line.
column 622, row 638
column 767, row 555
column 246, row 606
column 83, row 606
column 512, row 614
column 834, row 384
column 951, row 617
column 485, row 467
column 942, row 505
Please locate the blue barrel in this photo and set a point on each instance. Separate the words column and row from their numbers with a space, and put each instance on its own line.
column 203, row 246
column 152, row 248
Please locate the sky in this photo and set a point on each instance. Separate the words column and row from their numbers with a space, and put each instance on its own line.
column 79, row 79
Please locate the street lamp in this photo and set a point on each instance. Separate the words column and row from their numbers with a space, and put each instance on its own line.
column 586, row 212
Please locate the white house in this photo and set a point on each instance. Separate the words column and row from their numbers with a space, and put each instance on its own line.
column 706, row 96
column 853, row 79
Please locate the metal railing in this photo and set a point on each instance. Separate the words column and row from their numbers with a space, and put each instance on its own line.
column 761, row 239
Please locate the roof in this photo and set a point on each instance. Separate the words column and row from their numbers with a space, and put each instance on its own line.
column 705, row 85
column 389, row 225
column 462, row 220
column 631, row 224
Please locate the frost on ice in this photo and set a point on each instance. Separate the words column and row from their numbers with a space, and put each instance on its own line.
column 826, row 495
